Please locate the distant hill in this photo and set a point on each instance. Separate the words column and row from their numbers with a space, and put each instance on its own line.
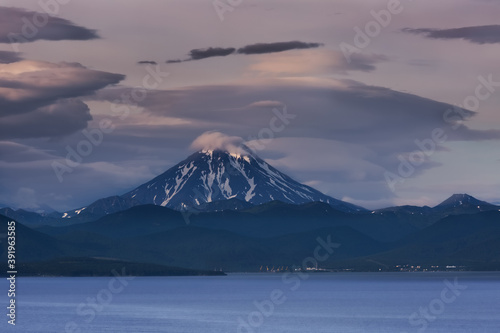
column 422, row 217
column 268, row 220
column 32, row 245
column 234, row 235
column 469, row 240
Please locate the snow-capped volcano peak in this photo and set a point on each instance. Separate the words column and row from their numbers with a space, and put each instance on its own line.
column 241, row 152
column 215, row 174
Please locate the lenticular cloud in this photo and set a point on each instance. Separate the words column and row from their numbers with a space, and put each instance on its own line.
column 218, row 141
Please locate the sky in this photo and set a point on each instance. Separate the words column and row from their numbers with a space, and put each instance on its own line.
column 377, row 103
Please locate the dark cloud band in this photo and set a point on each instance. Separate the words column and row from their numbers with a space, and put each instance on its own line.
column 43, row 100
column 198, row 54
column 7, row 57
column 486, row 34
column 64, row 117
column 24, row 92
column 259, row 48
column 23, row 26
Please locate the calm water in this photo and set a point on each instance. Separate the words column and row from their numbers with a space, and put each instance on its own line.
column 342, row 302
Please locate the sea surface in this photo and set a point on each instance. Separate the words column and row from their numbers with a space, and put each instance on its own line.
column 313, row 302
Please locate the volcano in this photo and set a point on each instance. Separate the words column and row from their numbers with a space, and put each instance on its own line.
column 214, row 175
